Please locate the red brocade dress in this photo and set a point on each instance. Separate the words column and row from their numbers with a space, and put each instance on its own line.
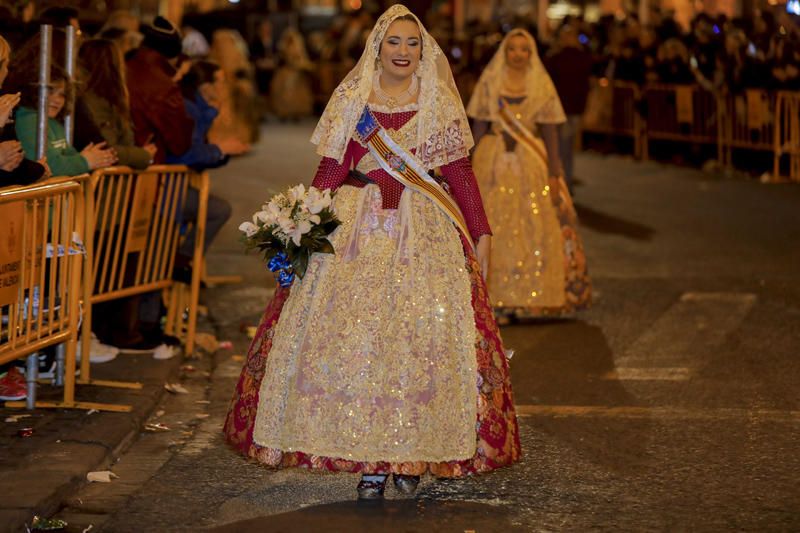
column 385, row 357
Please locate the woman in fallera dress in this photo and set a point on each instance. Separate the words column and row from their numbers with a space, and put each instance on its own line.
column 385, row 358
column 537, row 267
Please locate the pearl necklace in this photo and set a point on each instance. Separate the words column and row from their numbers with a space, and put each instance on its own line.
column 393, row 101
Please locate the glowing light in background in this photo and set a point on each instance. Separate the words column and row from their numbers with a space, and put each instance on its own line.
column 354, row 4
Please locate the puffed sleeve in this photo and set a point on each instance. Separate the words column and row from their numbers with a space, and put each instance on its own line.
column 462, row 184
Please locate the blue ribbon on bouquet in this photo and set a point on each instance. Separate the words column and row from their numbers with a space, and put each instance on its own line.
column 280, row 263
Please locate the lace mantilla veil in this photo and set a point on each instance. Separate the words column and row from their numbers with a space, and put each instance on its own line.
column 541, row 103
column 443, row 133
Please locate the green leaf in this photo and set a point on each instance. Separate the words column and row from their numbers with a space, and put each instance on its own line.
column 326, row 247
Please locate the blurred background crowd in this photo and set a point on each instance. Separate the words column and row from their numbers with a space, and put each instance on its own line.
column 194, row 85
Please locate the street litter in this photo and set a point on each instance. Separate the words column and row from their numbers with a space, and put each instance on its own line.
column 156, row 427
column 237, row 358
column 92, row 411
column 202, row 415
column 46, row 524
column 207, row 342
column 251, row 331
column 16, row 418
column 88, row 529
column 188, row 368
column 225, row 345
column 25, row 432
column 176, row 388
column 102, row 476
column 159, row 413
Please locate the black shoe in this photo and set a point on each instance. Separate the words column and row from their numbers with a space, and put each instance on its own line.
column 371, row 490
column 405, row 484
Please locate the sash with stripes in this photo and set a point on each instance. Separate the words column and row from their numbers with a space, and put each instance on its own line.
column 407, row 169
column 519, row 132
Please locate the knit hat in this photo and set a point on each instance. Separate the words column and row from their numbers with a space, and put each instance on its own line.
column 162, row 37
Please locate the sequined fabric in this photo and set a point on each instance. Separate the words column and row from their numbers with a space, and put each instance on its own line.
column 537, row 265
column 358, row 385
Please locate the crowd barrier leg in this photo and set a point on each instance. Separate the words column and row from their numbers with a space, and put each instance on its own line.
column 88, row 287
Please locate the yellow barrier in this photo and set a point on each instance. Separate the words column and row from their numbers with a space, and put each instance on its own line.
column 134, row 233
column 786, row 140
column 611, row 109
column 682, row 113
column 41, row 259
column 753, row 120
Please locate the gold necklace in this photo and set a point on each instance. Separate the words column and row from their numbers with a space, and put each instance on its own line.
column 393, row 101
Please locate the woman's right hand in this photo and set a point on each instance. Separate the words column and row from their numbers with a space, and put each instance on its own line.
column 7, row 104
column 99, row 155
column 151, row 149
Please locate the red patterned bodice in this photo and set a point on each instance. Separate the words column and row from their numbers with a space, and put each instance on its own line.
column 458, row 175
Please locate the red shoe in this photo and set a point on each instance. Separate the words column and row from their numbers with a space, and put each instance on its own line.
column 13, row 386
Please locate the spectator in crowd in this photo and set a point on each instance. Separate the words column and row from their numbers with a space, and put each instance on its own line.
column 704, row 46
column 60, row 16
column 14, row 168
column 783, row 62
column 201, row 88
column 570, row 67
column 291, row 87
column 673, row 63
column 156, row 103
column 62, row 158
column 23, row 78
column 195, row 43
column 106, row 96
column 122, row 27
column 264, row 55
column 238, row 111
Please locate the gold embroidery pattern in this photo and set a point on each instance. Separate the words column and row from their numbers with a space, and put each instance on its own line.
column 373, row 357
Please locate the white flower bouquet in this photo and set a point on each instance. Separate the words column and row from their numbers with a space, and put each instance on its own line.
column 289, row 228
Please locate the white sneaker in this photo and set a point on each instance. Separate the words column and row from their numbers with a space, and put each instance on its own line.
column 99, row 352
column 165, row 351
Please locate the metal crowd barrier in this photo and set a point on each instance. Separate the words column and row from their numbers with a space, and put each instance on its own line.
column 612, row 110
column 786, row 139
column 41, row 259
column 754, row 120
column 135, row 230
column 681, row 113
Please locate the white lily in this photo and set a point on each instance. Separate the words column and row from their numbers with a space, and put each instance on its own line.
column 302, row 228
column 316, row 200
column 248, row 228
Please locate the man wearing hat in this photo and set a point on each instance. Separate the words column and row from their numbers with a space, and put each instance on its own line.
column 157, row 110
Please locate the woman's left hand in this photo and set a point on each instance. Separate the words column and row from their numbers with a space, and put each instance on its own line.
column 483, row 251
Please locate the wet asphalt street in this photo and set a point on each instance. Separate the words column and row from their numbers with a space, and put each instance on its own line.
column 672, row 405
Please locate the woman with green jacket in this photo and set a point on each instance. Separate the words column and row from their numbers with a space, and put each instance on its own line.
column 62, row 158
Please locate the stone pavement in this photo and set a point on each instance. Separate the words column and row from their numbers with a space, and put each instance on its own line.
column 671, row 405
column 39, row 472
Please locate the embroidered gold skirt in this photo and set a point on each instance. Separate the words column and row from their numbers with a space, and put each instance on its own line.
column 538, row 266
column 383, row 358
